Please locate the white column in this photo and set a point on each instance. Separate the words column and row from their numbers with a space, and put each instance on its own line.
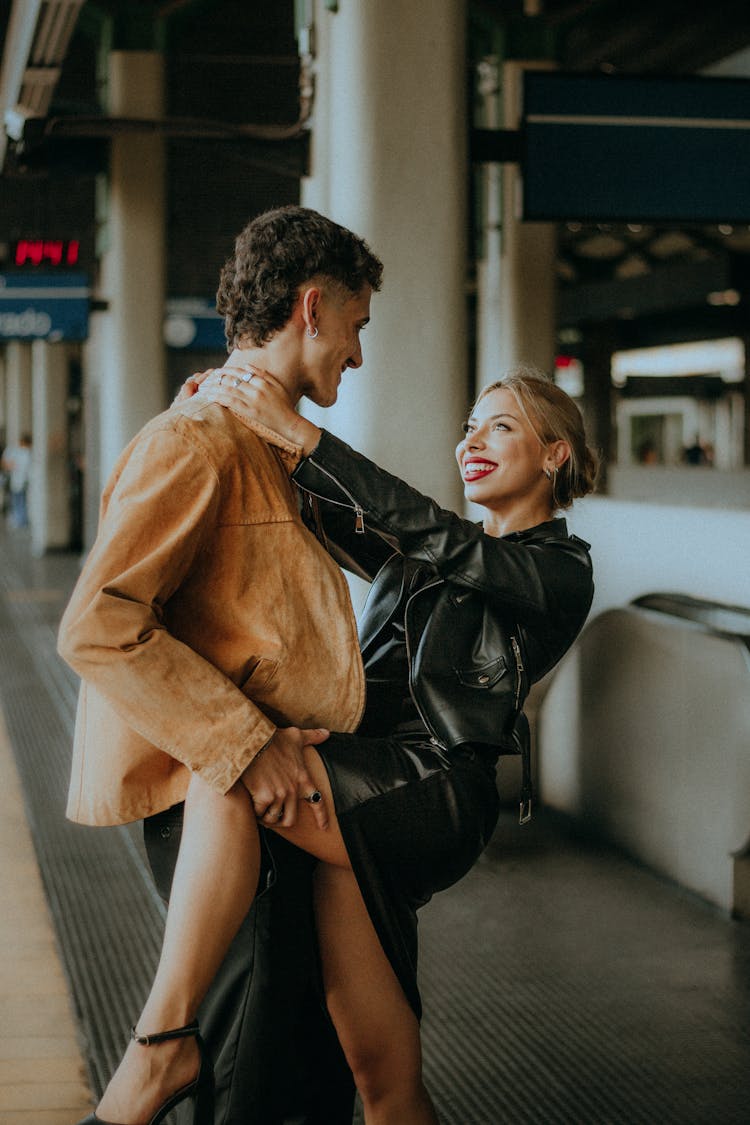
column 490, row 265
column 129, row 357
column 49, row 487
column 390, row 162
column 527, row 281
column 17, row 390
column 3, row 411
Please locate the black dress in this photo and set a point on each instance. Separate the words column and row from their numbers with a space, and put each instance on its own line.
column 414, row 816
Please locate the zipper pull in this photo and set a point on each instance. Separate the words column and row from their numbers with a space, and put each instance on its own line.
column 359, row 522
column 519, row 668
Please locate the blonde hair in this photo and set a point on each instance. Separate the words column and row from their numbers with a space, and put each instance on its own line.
column 553, row 416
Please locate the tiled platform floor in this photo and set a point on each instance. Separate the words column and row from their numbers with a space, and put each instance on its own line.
column 42, row 1071
column 563, row 984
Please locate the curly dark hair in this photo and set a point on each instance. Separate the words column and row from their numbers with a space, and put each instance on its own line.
column 276, row 253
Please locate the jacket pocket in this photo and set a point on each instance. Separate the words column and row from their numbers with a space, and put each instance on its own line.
column 260, row 675
column 485, row 676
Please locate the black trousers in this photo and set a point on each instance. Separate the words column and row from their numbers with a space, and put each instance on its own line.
column 276, row 1057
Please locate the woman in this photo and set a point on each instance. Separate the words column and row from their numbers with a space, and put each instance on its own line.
column 460, row 620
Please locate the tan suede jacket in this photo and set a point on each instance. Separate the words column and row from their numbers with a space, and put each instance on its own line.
column 206, row 615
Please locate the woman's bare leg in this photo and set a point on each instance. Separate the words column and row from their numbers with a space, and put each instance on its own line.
column 214, row 884
column 377, row 1028
column 213, row 887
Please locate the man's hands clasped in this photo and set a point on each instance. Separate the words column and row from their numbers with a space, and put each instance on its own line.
column 278, row 778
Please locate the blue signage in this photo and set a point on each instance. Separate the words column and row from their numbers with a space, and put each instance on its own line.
column 193, row 324
column 44, row 306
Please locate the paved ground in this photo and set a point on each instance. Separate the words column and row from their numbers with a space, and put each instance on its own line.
column 42, row 1071
column 563, row 985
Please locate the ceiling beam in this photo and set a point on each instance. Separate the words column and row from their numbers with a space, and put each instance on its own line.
column 35, row 48
column 18, row 42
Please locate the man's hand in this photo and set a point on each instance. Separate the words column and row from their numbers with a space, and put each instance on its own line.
column 278, row 778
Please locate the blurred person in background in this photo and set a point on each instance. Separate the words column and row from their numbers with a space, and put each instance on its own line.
column 16, row 462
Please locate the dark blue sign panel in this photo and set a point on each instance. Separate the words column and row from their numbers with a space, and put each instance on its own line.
column 630, row 148
column 193, row 324
column 44, row 306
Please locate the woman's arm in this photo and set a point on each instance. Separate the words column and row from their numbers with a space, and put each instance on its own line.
column 529, row 579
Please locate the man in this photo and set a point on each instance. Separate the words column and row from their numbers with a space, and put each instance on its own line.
column 212, row 632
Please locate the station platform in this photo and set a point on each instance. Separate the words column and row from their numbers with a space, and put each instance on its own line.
column 563, row 984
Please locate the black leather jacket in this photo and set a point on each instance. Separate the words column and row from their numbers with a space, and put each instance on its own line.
column 488, row 617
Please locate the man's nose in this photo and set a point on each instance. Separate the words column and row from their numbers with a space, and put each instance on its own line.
column 355, row 359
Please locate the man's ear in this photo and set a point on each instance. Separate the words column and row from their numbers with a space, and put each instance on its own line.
column 309, row 306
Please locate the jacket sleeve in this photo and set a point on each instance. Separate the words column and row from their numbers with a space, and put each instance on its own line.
column 359, row 550
column 529, row 579
column 157, row 516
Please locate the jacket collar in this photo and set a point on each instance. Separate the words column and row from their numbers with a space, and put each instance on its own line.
column 289, row 453
column 550, row 529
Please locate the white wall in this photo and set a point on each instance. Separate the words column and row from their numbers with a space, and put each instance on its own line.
column 643, row 731
column 644, row 737
column 641, row 548
column 694, row 487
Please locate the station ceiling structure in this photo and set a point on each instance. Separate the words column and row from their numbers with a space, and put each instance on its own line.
column 44, row 73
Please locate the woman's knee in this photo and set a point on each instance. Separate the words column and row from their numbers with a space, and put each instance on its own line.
column 202, row 800
column 383, row 1068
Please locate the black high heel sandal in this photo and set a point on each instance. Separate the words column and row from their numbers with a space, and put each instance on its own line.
column 201, row 1089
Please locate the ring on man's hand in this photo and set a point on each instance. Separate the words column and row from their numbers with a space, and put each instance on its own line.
column 247, row 376
column 315, row 797
column 235, row 382
column 221, row 377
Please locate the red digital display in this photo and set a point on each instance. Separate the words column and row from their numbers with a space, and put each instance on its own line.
column 46, row 252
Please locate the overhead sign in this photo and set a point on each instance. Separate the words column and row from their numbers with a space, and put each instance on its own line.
column 44, row 306
column 635, row 148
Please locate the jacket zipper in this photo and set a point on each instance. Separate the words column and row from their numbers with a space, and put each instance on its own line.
column 519, row 669
column 359, row 514
column 423, row 717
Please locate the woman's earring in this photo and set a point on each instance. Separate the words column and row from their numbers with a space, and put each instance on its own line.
column 312, row 335
column 548, row 474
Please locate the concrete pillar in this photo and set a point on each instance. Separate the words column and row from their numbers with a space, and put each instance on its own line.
column 3, row 414
column 128, row 358
column 527, row 268
column 93, row 479
column 746, row 388
column 389, row 160
column 490, row 264
column 17, row 390
column 599, row 344
column 49, row 488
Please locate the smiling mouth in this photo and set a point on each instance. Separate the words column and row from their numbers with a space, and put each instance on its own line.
column 475, row 470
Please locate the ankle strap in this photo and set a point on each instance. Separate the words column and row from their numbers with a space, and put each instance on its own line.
column 162, row 1036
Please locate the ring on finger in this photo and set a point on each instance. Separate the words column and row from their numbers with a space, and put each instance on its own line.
column 235, row 382
column 315, row 797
